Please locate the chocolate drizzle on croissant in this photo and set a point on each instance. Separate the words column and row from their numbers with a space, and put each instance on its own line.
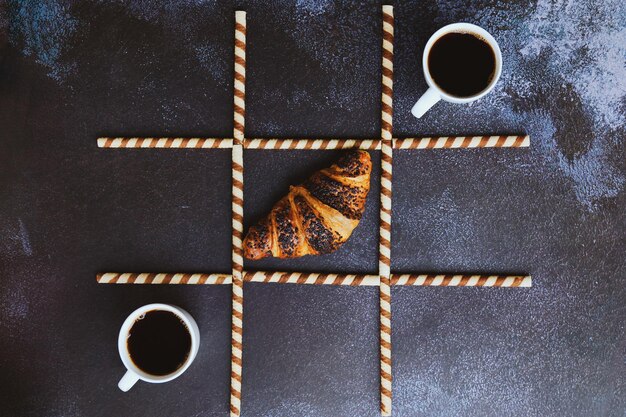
column 316, row 217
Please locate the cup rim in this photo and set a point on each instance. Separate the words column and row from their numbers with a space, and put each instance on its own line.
column 462, row 27
column 184, row 316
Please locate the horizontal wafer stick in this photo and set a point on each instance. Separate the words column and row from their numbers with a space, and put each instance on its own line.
column 311, row 278
column 503, row 281
column 456, row 142
column 418, row 280
column 162, row 278
column 439, row 142
column 165, row 143
column 312, row 144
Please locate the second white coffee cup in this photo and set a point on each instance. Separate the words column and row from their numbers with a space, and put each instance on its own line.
column 134, row 373
column 435, row 92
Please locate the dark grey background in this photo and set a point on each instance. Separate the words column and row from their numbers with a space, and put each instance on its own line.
column 71, row 71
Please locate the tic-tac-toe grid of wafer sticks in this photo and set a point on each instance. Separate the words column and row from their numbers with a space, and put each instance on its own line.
column 384, row 280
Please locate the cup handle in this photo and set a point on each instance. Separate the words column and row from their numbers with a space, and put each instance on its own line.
column 426, row 101
column 128, row 380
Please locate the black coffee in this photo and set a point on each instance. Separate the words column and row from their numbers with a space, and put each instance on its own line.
column 461, row 64
column 159, row 343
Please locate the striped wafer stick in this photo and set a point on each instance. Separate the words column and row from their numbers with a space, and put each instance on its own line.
column 384, row 264
column 441, row 142
column 318, row 278
column 240, row 78
column 312, row 144
column 165, row 143
column 453, row 142
column 237, row 213
column 237, row 280
column 162, row 278
column 311, row 278
column 418, row 280
column 503, row 281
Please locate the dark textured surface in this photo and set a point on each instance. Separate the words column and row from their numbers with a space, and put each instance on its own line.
column 70, row 72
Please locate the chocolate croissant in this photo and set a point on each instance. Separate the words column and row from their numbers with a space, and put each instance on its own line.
column 316, row 217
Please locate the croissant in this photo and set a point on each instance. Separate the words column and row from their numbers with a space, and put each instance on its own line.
column 315, row 217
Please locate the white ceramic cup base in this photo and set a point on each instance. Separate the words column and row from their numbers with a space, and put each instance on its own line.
column 133, row 373
column 434, row 92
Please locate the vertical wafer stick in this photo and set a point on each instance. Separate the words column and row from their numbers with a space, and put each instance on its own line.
column 237, row 214
column 384, row 264
column 240, row 78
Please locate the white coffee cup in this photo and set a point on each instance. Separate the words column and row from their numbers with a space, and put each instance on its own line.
column 434, row 92
column 134, row 373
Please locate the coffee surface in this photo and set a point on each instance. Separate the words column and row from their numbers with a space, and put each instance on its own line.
column 159, row 343
column 461, row 64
